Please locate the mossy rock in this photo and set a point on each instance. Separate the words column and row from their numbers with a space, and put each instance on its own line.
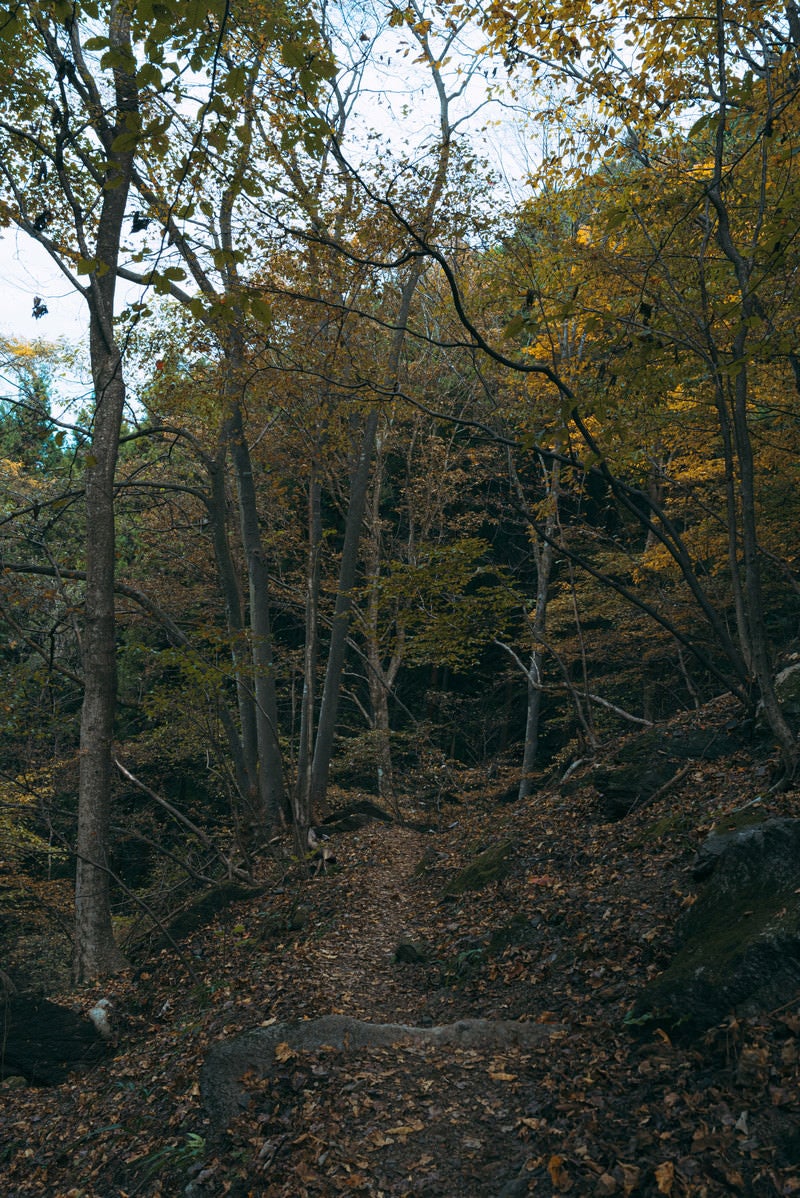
column 742, row 817
column 427, row 861
column 490, row 866
column 410, row 952
column 646, row 764
column 519, row 930
column 787, row 691
column 739, row 944
column 678, row 823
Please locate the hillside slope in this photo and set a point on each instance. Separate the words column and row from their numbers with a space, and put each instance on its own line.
column 583, row 917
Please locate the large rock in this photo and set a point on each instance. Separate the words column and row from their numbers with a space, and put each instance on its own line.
column 787, row 692
column 45, row 1042
column 739, row 944
column 490, row 866
column 648, row 763
column 254, row 1052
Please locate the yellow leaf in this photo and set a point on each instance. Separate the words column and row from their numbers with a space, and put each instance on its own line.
column 283, row 1052
column 630, row 1175
column 405, row 1129
column 558, row 1174
column 665, row 1176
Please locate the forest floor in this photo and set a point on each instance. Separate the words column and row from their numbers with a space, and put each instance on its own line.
column 582, row 920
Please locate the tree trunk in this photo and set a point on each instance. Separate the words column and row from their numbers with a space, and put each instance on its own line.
column 377, row 684
column 323, row 747
column 272, row 794
column 96, row 952
column 757, row 646
column 245, row 752
column 379, row 710
column 543, row 554
column 329, row 707
column 302, row 800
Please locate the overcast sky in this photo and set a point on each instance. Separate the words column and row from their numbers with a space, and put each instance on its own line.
column 25, row 272
column 397, row 100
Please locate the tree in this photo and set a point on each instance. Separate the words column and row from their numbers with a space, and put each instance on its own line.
column 738, row 66
column 67, row 173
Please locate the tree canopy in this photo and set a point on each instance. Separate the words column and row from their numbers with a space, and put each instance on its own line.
column 391, row 461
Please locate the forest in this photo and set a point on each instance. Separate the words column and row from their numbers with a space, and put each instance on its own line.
column 438, row 441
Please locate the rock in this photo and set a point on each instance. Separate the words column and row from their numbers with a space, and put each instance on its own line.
column 228, row 1061
column 44, row 1042
column 299, row 918
column 517, row 1187
column 739, row 944
column 202, row 910
column 714, row 846
column 647, row 763
column 490, row 866
column 509, row 795
column 787, row 692
column 427, row 861
column 408, row 953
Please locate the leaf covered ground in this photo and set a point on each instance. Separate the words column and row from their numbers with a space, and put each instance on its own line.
column 584, row 916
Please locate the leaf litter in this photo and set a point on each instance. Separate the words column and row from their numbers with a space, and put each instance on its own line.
column 583, row 918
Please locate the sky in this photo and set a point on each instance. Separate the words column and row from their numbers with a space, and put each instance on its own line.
column 398, row 101
column 25, row 272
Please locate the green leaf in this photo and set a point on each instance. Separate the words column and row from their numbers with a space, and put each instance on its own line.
column 708, row 121
column 124, row 143
column 118, row 60
column 294, row 54
column 260, row 309
column 149, row 76
column 514, row 327
column 235, row 82
column 615, row 219
column 252, row 187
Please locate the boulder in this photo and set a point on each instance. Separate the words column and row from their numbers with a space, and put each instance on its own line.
column 44, row 1042
column 647, row 764
column 409, row 952
column 490, row 866
column 787, row 692
column 227, row 1063
column 739, row 944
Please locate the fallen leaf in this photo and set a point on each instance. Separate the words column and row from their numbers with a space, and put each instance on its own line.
column 665, row 1177
column 405, row 1129
column 630, row 1176
column 558, row 1174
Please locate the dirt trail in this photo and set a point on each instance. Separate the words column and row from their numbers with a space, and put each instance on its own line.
column 347, row 965
column 400, row 1119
